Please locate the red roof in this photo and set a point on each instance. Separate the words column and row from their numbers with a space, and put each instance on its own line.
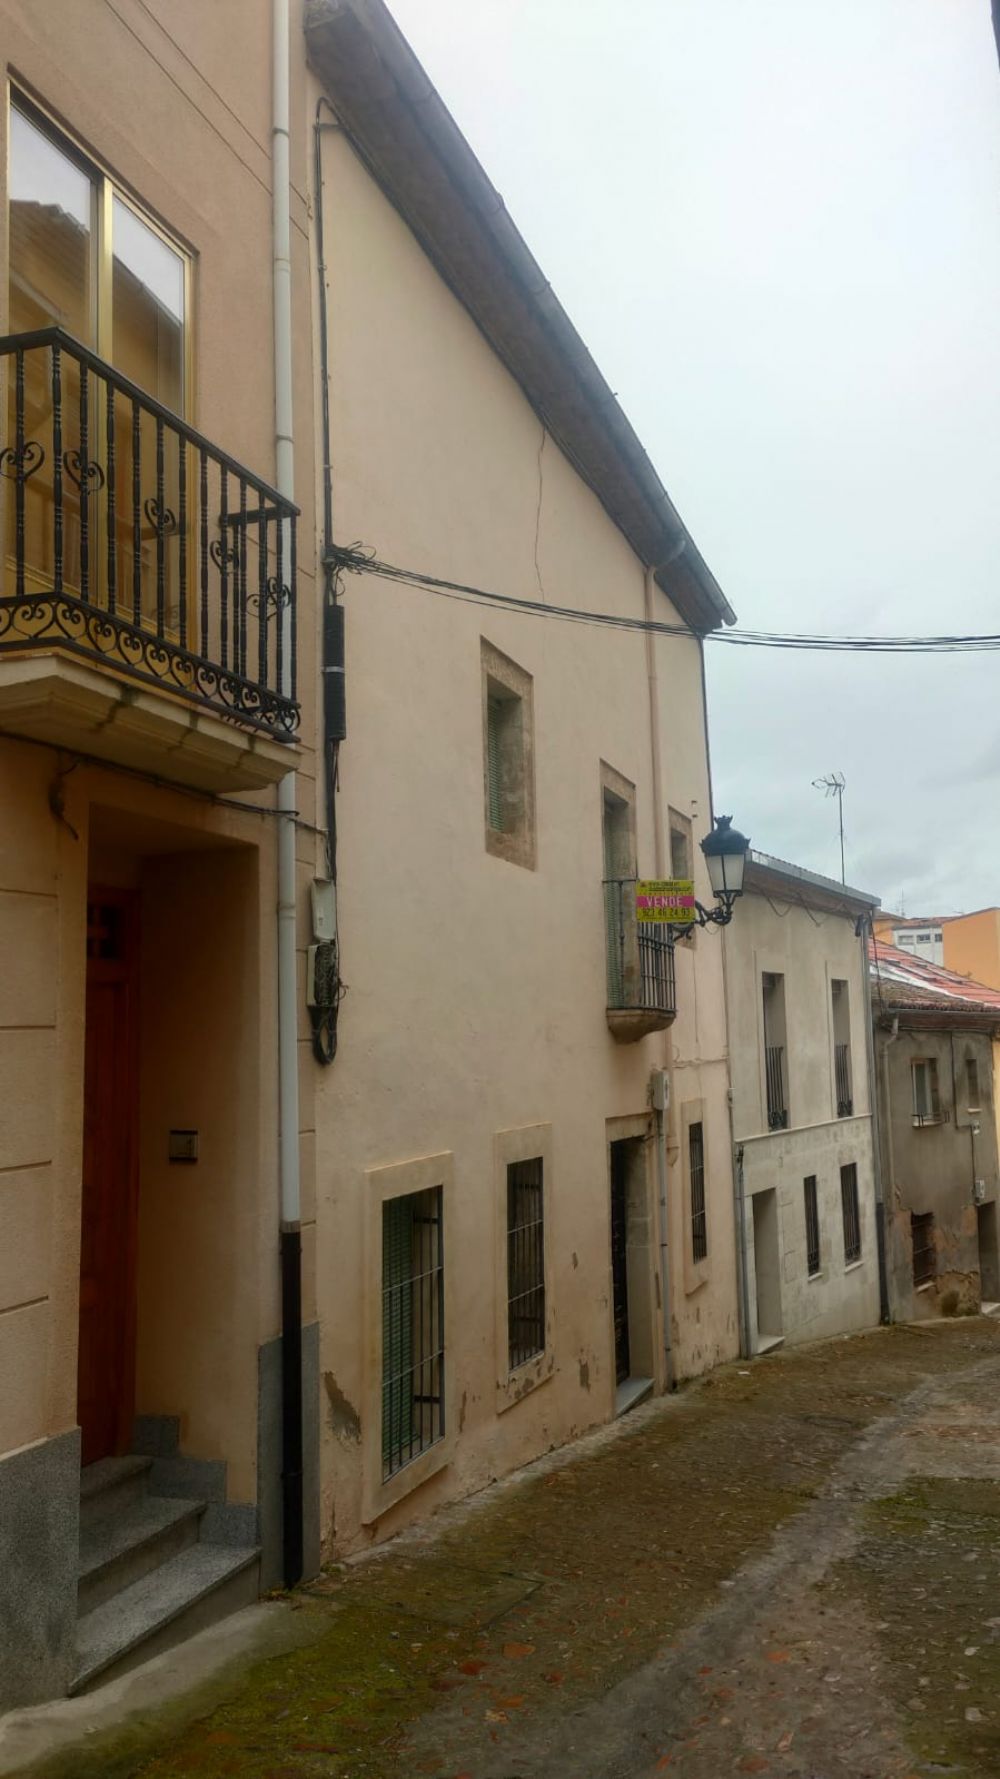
column 909, row 981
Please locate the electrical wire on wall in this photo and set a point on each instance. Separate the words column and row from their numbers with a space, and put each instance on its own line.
column 356, row 558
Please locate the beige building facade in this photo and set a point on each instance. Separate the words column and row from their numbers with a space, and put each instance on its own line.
column 803, row 1126
column 503, row 1213
column 505, row 779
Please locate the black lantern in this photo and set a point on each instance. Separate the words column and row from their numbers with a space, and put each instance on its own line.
column 725, row 850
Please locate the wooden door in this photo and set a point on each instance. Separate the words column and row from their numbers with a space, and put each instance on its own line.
column 106, row 1369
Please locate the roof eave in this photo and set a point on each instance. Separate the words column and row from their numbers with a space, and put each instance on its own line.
column 408, row 140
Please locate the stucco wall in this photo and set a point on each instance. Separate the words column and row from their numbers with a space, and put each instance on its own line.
column 477, row 987
column 932, row 1168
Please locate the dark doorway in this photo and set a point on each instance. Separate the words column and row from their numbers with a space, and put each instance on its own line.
column 106, row 1362
column 989, row 1263
column 619, row 1256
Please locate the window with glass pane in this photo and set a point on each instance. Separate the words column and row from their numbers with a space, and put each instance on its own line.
column 926, row 1097
column 84, row 259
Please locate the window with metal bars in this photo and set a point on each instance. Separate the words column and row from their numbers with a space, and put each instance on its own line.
column 525, row 1261
column 851, row 1212
column 412, row 1327
column 812, row 1224
column 699, row 1213
column 922, row 1239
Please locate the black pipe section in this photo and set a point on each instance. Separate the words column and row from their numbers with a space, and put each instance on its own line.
column 291, row 1404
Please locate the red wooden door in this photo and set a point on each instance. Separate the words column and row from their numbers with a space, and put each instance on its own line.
column 106, row 1369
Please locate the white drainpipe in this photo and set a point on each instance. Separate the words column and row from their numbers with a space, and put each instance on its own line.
column 288, row 1062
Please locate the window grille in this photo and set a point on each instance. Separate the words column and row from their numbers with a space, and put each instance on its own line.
column 842, row 1065
column 812, row 1224
column 525, row 1261
column 699, row 1215
column 922, row 1238
column 494, row 724
column 777, row 1110
column 851, row 1212
column 412, row 1327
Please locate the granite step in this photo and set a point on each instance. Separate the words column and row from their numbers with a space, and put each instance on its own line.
column 118, row 1549
column 111, row 1486
column 194, row 1589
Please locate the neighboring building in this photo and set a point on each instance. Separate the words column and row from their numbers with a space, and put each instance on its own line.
column 972, row 945
column 802, row 1117
column 147, row 692
column 924, row 937
column 935, row 1035
column 491, row 1241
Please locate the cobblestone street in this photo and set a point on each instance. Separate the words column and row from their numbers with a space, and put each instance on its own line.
column 793, row 1569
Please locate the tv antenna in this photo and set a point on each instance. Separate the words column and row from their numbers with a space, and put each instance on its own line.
column 833, row 786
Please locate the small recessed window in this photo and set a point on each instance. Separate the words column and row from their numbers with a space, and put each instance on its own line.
column 972, row 1083
column 922, row 1237
column 851, row 1213
column 699, row 1213
column 812, row 1224
column 926, row 1098
column 508, row 758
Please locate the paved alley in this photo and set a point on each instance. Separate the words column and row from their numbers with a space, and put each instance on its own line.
column 793, row 1569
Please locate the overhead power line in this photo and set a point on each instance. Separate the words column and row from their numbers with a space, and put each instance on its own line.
column 356, row 559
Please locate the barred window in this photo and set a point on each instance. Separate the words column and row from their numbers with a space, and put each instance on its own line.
column 812, row 1224
column 851, row 1212
column 525, row 1261
column 699, row 1215
column 412, row 1327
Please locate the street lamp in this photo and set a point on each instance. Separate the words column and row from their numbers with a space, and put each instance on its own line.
column 725, row 850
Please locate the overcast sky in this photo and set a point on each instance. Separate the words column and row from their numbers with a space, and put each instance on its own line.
column 776, row 224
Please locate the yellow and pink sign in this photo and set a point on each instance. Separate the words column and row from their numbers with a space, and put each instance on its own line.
column 667, row 899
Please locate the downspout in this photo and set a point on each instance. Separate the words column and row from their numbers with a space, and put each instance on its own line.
column 863, row 930
column 659, row 849
column 288, row 1061
column 890, row 1155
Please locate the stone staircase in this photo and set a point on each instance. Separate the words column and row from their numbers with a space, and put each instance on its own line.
column 162, row 1555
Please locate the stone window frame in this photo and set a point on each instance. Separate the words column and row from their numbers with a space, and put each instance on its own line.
column 502, row 678
column 522, row 1143
column 398, row 1180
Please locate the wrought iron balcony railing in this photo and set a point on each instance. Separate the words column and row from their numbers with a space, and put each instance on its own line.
column 842, row 1069
column 640, row 956
column 127, row 538
column 774, row 1070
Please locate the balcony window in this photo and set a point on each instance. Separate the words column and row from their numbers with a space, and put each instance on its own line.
column 125, row 536
column 841, row 1009
column 775, row 1074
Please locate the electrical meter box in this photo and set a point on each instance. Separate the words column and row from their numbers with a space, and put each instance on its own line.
column 324, row 909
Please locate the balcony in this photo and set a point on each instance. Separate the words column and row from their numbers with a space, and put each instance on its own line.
column 641, row 991
column 147, row 611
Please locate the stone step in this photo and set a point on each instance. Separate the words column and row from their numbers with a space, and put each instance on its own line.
column 195, row 1589
column 109, row 1487
column 118, row 1549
